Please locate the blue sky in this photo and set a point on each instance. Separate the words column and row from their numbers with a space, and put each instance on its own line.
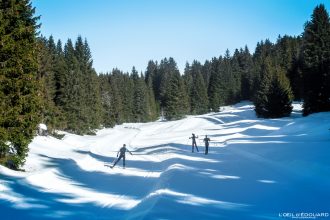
column 126, row 33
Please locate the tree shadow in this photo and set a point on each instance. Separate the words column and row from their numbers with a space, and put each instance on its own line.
column 101, row 181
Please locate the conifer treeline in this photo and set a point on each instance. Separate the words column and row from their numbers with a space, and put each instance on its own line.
column 79, row 100
column 71, row 94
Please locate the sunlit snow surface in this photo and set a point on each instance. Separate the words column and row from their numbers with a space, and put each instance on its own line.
column 256, row 169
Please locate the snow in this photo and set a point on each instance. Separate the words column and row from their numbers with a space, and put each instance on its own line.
column 42, row 126
column 256, row 169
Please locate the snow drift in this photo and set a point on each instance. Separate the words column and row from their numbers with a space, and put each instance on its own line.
column 256, row 169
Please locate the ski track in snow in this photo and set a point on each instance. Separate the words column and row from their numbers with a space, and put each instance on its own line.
column 255, row 169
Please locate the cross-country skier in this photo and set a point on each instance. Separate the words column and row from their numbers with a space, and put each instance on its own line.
column 193, row 137
column 121, row 154
column 206, row 140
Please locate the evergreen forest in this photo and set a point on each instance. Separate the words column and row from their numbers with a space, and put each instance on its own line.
column 43, row 80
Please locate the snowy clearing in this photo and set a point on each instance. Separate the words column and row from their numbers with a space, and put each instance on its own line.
column 255, row 169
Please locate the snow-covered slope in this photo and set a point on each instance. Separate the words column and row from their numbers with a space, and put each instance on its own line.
column 256, row 169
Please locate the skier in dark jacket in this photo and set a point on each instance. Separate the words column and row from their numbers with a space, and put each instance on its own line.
column 206, row 140
column 193, row 137
column 121, row 154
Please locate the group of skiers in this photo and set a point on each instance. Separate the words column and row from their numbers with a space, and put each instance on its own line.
column 122, row 151
column 193, row 145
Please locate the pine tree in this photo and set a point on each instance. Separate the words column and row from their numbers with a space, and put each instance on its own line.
column 237, row 78
column 153, row 108
column 173, row 96
column 163, row 75
column 19, row 108
column 279, row 96
column 46, row 77
column 295, row 76
column 150, row 75
column 227, row 81
column 72, row 98
column 287, row 50
column 117, row 97
column 263, row 51
column 128, row 101
column 140, row 98
column 109, row 100
column 316, row 58
column 90, row 86
column 214, row 88
column 247, row 70
column 60, row 70
column 261, row 99
column 206, row 72
column 82, row 88
column 274, row 97
column 188, row 81
column 198, row 90
column 172, row 101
